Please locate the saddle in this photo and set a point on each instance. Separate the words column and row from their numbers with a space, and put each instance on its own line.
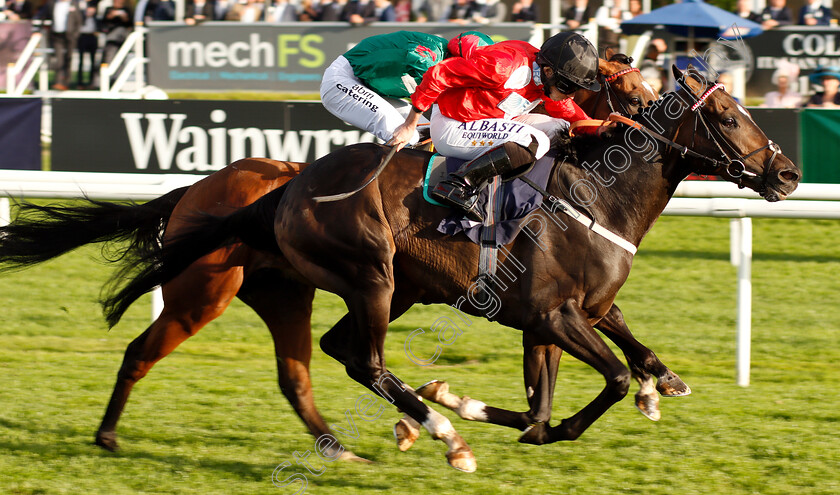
column 508, row 207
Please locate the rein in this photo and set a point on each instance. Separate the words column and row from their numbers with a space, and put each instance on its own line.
column 734, row 168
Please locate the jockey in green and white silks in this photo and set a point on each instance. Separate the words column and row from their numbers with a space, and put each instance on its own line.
column 364, row 86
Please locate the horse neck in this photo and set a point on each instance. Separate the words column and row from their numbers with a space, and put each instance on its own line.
column 627, row 199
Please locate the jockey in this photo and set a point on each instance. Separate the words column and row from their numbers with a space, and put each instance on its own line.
column 483, row 105
column 364, row 86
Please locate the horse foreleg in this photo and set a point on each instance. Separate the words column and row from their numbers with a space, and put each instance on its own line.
column 643, row 364
column 567, row 327
column 364, row 362
column 190, row 302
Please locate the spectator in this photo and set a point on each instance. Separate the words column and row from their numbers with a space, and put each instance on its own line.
column 784, row 97
column 88, row 44
column 578, row 14
column 814, row 14
column 116, row 24
column 433, row 10
column 198, row 11
column 144, row 11
column 744, row 10
column 634, row 9
column 329, row 11
column 490, row 12
column 222, row 9
column 728, row 82
column 655, row 76
column 164, row 10
column 462, row 11
column 282, row 11
column 308, row 11
column 246, row 11
column 64, row 33
column 524, row 11
column 19, row 10
column 359, row 12
column 829, row 78
column 384, row 11
column 402, row 10
column 776, row 14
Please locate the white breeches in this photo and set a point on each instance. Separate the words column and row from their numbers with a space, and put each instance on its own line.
column 346, row 97
column 469, row 140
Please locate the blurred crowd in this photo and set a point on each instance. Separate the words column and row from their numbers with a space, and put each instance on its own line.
column 97, row 28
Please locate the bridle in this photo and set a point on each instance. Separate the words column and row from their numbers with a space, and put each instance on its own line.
column 734, row 169
column 606, row 80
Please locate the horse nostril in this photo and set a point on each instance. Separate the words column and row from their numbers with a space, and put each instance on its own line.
column 789, row 175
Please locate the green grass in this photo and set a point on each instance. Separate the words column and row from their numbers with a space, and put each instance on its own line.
column 209, row 418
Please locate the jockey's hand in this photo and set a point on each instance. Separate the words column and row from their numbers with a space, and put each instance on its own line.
column 402, row 135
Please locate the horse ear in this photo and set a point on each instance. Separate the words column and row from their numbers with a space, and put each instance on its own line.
column 608, row 53
column 677, row 73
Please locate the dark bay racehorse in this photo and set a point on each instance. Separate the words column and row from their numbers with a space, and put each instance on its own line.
column 380, row 252
column 203, row 292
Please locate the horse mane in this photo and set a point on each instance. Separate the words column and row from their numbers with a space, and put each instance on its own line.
column 621, row 58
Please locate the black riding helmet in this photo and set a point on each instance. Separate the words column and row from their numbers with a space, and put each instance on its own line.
column 574, row 61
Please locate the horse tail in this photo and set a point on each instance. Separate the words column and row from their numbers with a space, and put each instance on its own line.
column 253, row 225
column 40, row 233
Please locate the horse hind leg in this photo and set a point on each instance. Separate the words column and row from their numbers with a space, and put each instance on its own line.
column 286, row 308
column 190, row 302
column 159, row 339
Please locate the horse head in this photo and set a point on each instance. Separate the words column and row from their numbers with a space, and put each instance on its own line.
column 623, row 89
column 734, row 147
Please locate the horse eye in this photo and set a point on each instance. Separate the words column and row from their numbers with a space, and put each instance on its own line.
column 635, row 102
column 728, row 122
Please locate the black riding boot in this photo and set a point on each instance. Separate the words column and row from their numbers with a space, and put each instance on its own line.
column 461, row 188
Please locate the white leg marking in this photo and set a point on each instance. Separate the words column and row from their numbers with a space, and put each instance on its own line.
column 472, row 409
column 439, row 426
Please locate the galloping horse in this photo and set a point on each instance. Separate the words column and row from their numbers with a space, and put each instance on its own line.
column 380, row 252
column 203, row 292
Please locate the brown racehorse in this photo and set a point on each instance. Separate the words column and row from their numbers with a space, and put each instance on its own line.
column 380, row 252
column 42, row 233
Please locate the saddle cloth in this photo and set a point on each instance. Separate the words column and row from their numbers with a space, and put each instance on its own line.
column 517, row 201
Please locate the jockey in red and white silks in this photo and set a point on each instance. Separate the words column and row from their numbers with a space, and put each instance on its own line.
column 485, row 101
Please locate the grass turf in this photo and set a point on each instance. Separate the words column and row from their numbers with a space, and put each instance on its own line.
column 209, row 418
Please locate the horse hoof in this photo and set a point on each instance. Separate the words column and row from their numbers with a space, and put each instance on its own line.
column 462, row 460
column 351, row 457
column 108, row 441
column 670, row 385
column 649, row 406
column 405, row 434
column 536, row 434
column 433, row 390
